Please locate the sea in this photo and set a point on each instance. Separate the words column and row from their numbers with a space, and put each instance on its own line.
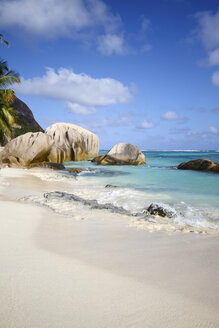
column 192, row 197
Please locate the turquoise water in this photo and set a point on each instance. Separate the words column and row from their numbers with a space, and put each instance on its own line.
column 193, row 195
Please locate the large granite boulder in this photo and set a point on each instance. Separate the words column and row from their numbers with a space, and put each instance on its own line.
column 200, row 165
column 27, row 149
column 17, row 120
column 78, row 144
column 122, row 154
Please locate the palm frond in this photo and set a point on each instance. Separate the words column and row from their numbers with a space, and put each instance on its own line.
column 8, row 80
column 3, row 40
column 7, row 77
column 3, row 67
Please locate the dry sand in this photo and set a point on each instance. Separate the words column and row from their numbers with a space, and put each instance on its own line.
column 57, row 272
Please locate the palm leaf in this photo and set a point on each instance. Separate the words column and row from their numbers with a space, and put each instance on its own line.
column 3, row 40
column 8, row 80
column 7, row 77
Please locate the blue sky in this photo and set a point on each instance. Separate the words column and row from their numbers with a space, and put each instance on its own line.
column 139, row 71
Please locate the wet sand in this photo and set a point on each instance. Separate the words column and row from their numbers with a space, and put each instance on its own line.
column 57, row 271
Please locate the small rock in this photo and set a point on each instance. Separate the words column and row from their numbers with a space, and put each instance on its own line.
column 109, row 186
column 155, row 209
column 75, row 170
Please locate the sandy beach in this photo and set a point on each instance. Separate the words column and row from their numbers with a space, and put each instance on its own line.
column 58, row 271
column 109, row 164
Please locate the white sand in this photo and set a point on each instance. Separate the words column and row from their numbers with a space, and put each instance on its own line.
column 64, row 273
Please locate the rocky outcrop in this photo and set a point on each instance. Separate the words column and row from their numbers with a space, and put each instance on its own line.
column 77, row 144
column 17, row 120
column 200, row 165
column 122, row 154
column 27, row 149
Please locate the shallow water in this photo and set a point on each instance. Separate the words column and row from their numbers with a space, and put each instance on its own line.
column 193, row 195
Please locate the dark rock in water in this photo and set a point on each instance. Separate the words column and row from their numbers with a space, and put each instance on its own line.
column 49, row 165
column 92, row 203
column 20, row 121
column 155, row 209
column 200, row 165
column 109, row 186
column 75, row 170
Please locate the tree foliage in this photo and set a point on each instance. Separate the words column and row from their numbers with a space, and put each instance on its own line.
column 7, row 78
column 3, row 40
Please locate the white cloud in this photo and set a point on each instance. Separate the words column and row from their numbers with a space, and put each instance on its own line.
column 111, row 43
column 213, row 57
column 122, row 120
column 209, row 29
column 172, row 116
column 79, row 109
column 145, row 23
column 146, row 47
column 215, row 78
column 179, row 130
column 204, row 134
column 50, row 19
column 81, row 92
column 213, row 130
column 215, row 110
column 146, row 125
column 208, row 33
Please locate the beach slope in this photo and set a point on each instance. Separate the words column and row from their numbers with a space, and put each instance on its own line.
column 60, row 272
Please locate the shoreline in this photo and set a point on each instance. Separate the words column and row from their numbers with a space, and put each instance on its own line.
column 64, row 272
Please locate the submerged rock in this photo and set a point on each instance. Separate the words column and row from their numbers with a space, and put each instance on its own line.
column 122, row 154
column 155, row 209
column 110, row 186
column 200, row 165
column 76, row 143
column 75, row 170
column 49, row 165
column 92, row 203
column 26, row 149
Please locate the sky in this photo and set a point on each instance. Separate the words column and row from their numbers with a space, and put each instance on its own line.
column 144, row 72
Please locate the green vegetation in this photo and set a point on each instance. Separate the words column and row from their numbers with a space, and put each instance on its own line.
column 22, row 130
column 15, row 117
column 7, row 78
column 3, row 40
